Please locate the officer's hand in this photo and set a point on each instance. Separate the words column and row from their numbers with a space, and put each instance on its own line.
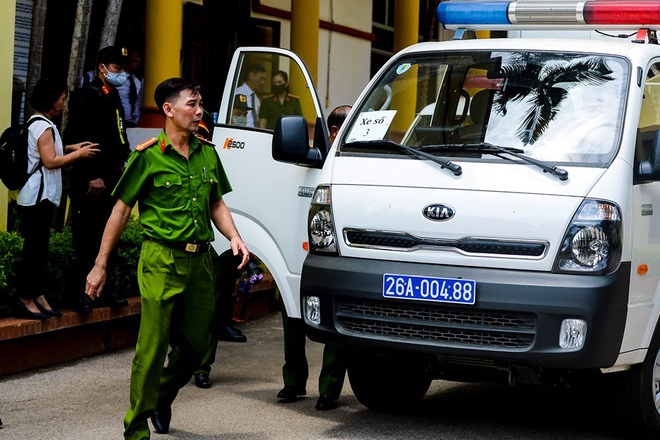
column 238, row 247
column 96, row 187
column 95, row 282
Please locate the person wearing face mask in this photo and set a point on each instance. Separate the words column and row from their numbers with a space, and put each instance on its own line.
column 239, row 113
column 280, row 103
column 96, row 114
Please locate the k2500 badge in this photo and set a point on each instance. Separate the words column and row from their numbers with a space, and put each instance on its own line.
column 231, row 143
column 438, row 212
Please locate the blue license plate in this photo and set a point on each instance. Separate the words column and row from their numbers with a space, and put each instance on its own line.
column 450, row 290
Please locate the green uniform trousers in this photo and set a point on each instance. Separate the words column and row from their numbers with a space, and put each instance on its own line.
column 295, row 371
column 177, row 312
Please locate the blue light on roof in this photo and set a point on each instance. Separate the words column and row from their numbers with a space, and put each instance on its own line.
column 473, row 13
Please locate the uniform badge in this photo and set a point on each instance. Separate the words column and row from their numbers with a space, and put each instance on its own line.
column 146, row 144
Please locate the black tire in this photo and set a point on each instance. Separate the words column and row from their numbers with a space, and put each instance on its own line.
column 388, row 383
column 638, row 393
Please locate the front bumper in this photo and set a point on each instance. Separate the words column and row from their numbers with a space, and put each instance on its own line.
column 516, row 317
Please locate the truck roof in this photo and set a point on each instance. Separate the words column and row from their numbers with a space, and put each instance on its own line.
column 611, row 47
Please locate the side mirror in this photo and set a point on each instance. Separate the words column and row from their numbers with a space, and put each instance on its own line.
column 291, row 143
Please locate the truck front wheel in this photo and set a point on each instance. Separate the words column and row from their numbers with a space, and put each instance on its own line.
column 388, row 383
column 638, row 402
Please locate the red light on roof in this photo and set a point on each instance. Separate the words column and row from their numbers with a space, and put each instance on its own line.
column 636, row 13
column 549, row 14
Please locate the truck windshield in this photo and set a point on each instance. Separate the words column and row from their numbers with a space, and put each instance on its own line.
column 558, row 107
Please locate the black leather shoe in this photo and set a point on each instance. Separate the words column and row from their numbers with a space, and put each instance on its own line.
column 23, row 312
column 117, row 302
column 84, row 308
column 161, row 420
column 290, row 393
column 231, row 334
column 326, row 403
column 51, row 312
column 202, row 380
column 84, row 305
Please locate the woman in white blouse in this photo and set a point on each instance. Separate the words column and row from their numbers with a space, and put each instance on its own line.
column 39, row 198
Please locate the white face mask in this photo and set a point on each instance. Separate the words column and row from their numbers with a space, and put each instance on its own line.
column 240, row 120
column 116, row 79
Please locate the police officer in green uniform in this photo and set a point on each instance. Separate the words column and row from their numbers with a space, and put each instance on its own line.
column 280, row 103
column 96, row 114
column 178, row 182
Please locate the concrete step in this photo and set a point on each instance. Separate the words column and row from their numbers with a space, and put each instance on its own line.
column 28, row 343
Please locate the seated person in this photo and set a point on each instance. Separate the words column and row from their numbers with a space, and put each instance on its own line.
column 240, row 111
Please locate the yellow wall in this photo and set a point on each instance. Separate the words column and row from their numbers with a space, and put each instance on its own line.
column 7, row 14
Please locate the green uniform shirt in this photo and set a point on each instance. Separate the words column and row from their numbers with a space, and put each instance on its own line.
column 174, row 194
column 272, row 109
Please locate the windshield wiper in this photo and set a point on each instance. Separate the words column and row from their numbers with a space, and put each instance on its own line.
column 480, row 148
column 454, row 168
column 485, row 147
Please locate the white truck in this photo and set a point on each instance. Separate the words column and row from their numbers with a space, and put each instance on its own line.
column 486, row 212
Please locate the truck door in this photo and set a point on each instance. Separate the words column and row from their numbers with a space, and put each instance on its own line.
column 270, row 199
column 644, row 289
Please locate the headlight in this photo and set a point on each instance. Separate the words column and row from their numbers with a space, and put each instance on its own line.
column 593, row 240
column 321, row 227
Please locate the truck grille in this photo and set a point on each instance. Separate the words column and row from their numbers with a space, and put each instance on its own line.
column 438, row 325
column 469, row 246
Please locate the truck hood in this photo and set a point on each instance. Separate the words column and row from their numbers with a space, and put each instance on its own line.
column 379, row 205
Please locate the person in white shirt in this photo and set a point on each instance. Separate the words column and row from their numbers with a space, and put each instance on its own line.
column 256, row 78
column 131, row 91
column 41, row 195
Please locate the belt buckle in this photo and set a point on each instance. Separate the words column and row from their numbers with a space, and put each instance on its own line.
column 192, row 247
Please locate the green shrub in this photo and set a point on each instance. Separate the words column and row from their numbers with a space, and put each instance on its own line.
column 63, row 287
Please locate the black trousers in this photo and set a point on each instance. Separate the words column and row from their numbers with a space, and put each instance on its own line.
column 225, row 273
column 35, row 227
column 88, row 218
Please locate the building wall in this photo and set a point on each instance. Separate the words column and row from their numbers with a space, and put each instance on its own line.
column 343, row 59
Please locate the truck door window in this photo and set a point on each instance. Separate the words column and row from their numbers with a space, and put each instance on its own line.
column 649, row 117
column 267, row 87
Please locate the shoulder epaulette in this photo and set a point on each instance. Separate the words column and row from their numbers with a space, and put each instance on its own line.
column 294, row 96
column 268, row 96
column 146, row 144
column 204, row 140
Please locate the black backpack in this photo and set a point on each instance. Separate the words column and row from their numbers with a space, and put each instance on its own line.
column 14, row 155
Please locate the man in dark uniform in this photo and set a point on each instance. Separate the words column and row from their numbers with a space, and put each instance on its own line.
column 178, row 181
column 225, row 274
column 280, row 103
column 96, row 114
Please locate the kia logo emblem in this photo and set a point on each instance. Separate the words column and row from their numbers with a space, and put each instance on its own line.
column 438, row 212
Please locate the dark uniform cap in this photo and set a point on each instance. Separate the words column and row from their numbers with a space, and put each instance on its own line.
column 112, row 54
column 240, row 101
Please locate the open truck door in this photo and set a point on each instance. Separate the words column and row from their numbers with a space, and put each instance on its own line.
column 270, row 198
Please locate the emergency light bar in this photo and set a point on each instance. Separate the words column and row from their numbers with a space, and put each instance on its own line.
column 534, row 14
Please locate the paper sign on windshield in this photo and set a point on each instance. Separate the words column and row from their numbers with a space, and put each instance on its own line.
column 371, row 126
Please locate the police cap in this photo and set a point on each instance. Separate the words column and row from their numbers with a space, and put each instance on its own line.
column 112, row 54
column 240, row 102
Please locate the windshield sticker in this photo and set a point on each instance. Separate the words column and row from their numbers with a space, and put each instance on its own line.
column 403, row 68
column 371, row 126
